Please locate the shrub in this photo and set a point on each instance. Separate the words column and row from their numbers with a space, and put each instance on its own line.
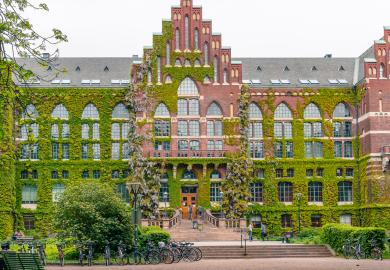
column 153, row 235
column 336, row 234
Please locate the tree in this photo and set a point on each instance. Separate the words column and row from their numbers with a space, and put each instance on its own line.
column 93, row 212
column 17, row 39
column 239, row 169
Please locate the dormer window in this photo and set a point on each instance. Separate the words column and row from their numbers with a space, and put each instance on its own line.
column 314, row 68
column 106, row 69
column 286, row 69
column 341, row 68
column 78, row 69
column 259, row 68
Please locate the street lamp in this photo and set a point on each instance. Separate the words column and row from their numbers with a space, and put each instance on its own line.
column 136, row 189
column 221, row 195
column 299, row 198
column 165, row 195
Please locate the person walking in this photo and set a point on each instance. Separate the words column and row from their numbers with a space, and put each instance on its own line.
column 250, row 231
column 263, row 232
column 200, row 212
column 190, row 211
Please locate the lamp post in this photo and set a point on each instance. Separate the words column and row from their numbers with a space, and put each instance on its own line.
column 136, row 189
column 299, row 198
column 221, row 195
column 165, row 195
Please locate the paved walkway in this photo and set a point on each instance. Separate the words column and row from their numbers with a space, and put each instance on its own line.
column 238, row 243
column 256, row 264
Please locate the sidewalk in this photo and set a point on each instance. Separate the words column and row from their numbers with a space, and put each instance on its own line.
column 238, row 243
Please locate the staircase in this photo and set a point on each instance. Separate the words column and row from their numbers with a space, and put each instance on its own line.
column 265, row 251
column 185, row 232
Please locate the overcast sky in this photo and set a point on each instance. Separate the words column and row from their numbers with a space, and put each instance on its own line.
column 263, row 28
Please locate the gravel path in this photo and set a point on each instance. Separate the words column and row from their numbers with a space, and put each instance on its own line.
column 256, row 264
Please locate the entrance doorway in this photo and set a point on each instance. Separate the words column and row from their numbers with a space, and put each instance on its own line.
column 189, row 197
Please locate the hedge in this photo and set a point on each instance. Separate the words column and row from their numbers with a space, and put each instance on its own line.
column 153, row 235
column 336, row 234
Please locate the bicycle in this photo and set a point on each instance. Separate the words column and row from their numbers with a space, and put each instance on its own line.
column 41, row 253
column 356, row 249
column 190, row 253
column 166, row 254
column 107, row 254
column 61, row 256
column 90, row 253
column 376, row 251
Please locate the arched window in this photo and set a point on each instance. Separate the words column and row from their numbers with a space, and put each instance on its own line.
column 178, row 62
column 215, row 175
column 196, row 39
column 341, row 111
column 188, row 88
column 30, row 112
column 168, row 54
column 162, row 111
column 189, row 174
column 150, row 79
column 214, row 110
column 206, row 54
column 187, row 63
column 382, row 71
column 216, row 69
column 177, row 38
column 120, row 112
column 187, row 32
column 197, row 63
column 283, row 112
column 60, row 112
column 90, row 112
column 254, row 111
column 312, row 112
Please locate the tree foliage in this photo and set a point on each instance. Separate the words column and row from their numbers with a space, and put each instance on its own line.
column 92, row 212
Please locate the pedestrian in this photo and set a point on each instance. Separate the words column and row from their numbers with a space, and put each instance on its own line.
column 250, row 231
column 263, row 231
column 200, row 212
column 190, row 212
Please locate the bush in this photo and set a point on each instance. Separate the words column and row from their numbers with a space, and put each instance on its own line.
column 336, row 234
column 153, row 235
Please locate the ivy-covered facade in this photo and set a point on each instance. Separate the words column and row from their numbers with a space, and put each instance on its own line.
column 307, row 131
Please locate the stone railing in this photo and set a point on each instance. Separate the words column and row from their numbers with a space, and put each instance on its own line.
column 164, row 223
column 224, row 223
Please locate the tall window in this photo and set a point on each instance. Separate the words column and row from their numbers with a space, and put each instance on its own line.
column 225, row 76
column 255, row 131
column 382, row 71
column 158, row 69
column 285, row 192
column 177, row 38
column 345, row 191
column 123, row 192
column 214, row 128
column 31, row 150
column 29, row 194
column 286, row 221
column 206, row 53
column 283, row 131
column 256, row 191
column 313, row 130
column 58, row 190
column 164, row 191
column 90, row 113
column 60, row 130
column 196, row 39
column 168, row 54
column 188, row 128
column 342, row 131
column 119, row 131
column 314, row 149
column 216, row 69
column 315, row 192
column 215, row 192
column 343, row 149
column 256, row 149
column 187, row 32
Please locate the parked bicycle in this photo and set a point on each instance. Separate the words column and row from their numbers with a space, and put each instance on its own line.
column 61, row 256
column 41, row 253
column 107, row 254
column 376, row 251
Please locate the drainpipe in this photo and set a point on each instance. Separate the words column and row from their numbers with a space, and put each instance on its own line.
column 357, row 138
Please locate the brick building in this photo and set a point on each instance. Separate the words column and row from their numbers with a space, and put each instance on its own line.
column 319, row 127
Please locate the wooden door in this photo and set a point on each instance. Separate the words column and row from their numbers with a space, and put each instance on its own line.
column 188, row 200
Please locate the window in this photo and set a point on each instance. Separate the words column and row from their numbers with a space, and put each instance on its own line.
column 214, row 146
column 115, row 174
column 320, row 172
column 164, row 191
column 283, row 112
column 90, row 112
column 196, row 39
column 95, row 131
column 314, row 150
column 309, row 172
column 183, row 145
column 34, row 174
column 85, row 174
column 279, row 173
column 187, row 32
column 85, row 131
column 316, row 221
column 215, row 192
column 115, row 131
column 256, row 192
column 158, row 69
column 289, row 150
column 278, row 149
column 286, row 221
column 126, row 173
column 349, row 172
column 260, row 174
column 342, row 129
column 123, row 192
column 188, row 128
column 188, row 88
column 214, row 110
column 25, row 151
column 58, row 190
column 168, row 54
column 96, row 174
column 162, row 146
column 206, row 53
column 162, row 111
column 315, row 192
column 96, row 151
column 214, row 128
column 54, row 131
column 125, row 151
column 162, row 128
column 30, row 112
column 346, row 219
column 338, row 149
column 35, row 152
column 177, row 39
column 216, row 70
column 65, row 174
column 29, row 194
column 189, row 174
column 255, row 130
column 312, row 112
column 125, row 131
column 254, row 111
column 194, row 145
column 54, row 175
column 348, row 150
column 115, row 151
column 339, row 172
column 345, row 191
column 283, row 130
column 29, row 222
column 65, row 131
column 382, row 71
column 313, row 130
column 60, row 112
column 24, row 175
column 290, row 173
column 341, row 111
column 215, row 175
column 193, row 107
column 285, row 192
column 54, row 150
column 256, row 149
column 120, row 112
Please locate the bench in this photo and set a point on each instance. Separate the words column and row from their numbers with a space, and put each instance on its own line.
column 22, row 261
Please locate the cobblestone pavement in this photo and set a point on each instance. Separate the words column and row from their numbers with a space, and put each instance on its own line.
column 256, row 264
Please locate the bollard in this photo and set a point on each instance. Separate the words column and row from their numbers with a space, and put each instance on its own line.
column 241, row 239
column 245, row 249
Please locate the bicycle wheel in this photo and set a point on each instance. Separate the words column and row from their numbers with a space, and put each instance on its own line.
column 376, row 254
column 166, row 256
column 199, row 254
column 177, row 255
column 189, row 255
column 135, row 258
column 152, row 257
